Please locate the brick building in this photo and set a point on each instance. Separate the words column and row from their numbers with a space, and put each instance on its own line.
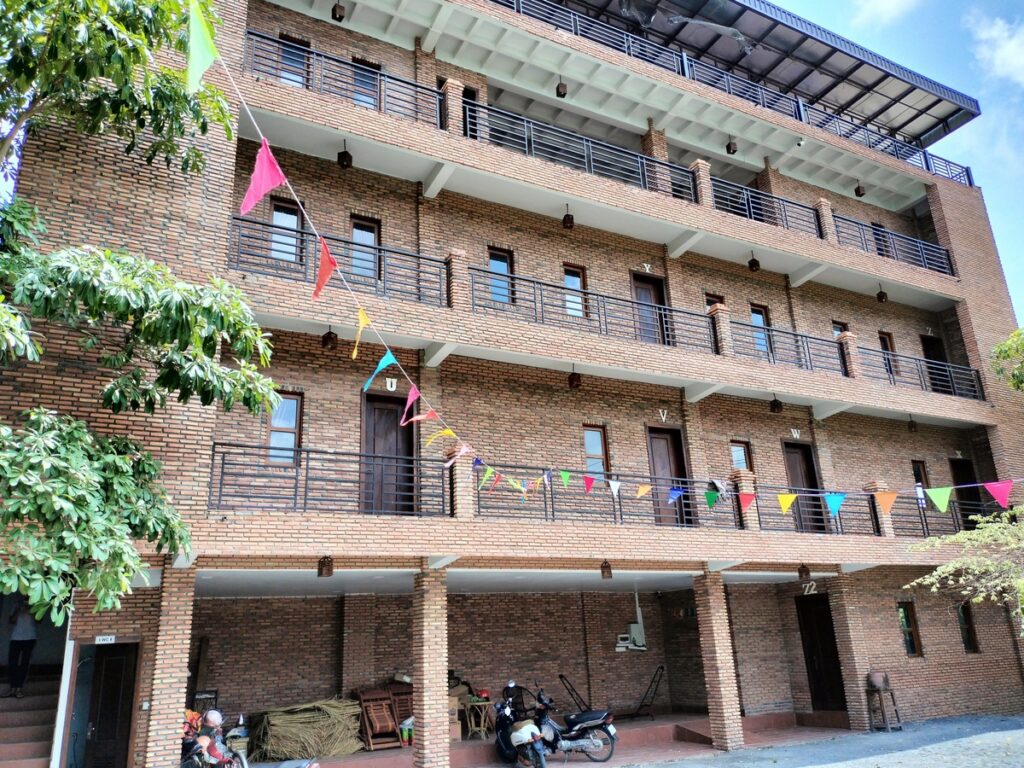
column 769, row 284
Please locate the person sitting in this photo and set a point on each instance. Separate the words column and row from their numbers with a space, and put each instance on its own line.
column 210, row 739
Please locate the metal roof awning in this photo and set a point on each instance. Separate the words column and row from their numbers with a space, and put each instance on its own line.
column 770, row 46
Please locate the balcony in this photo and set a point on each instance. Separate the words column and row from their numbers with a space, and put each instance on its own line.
column 919, row 517
column 680, row 64
column 759, row 206
column 922, row 374
column 535, row 301
column 872, row 238
column 294, row 254
column 554, row 501
column 261, row 479
column 810, row 513
column 782, row 347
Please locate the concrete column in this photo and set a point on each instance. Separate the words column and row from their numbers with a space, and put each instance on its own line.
column 852, row 641
column 452, row 91
column 170, row 665
column 723, row 330
column 825, row 218
column 848, row 347
column 702, row 182
column 745, row 481
column 430, row 669
column 884, row 520
column 716, row 652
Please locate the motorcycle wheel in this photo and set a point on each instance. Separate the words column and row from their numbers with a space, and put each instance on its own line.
column 607, row 745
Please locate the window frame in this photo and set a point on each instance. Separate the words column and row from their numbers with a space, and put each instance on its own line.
column 282, row 203
column 764, row 331
column 968, row 628
column 367, row 223
column 289, row 45
column 584, row 304
column 748, row 454
column 841, row 326
column 907, row 609
column 886, row 339
column 361, row 93
column 494, row 277
column 710, row 299
column 299, row 399
column 603, row 432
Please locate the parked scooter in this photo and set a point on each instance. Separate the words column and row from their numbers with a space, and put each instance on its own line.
column 192, row 754
column 590, row 732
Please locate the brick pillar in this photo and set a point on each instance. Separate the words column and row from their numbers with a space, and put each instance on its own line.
column 884, row 520
column 430, row 669
column 463, row 485
column 170, row 665
column 825, row 218
column 848, row 347
column 723, row 330
column 358, row 643
column 459, row 283
column 702, row 182
column 745, row 481
column 452, row 91
column 655, row 145
column 719, row 665
column 425, row 66
column 852, row 641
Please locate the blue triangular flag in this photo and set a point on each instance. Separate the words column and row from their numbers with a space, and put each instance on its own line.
column 388, row 359
column 834, row 502
column 675, row 493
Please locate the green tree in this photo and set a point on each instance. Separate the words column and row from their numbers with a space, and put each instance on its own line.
column 1009, row 359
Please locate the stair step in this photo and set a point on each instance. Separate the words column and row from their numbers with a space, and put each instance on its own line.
column 16, row 733
column 17, row 718
column 29, row 701
column 26, row 749
column 28, row 762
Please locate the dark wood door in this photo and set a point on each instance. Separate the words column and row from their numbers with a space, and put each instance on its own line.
column 110, row 707
column 649, row 293
column 808, row 511
column 821, row 654
column 668, row 466
column 388, row 477
column 968, row 500
column 934, row 351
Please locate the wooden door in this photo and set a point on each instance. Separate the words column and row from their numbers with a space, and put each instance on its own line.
column 968, row 500
column 649, row 293
column 933, row 350
column 808, row 512
column 821, row 654
column 388, row 477
column 110, row 706
column 668, row 467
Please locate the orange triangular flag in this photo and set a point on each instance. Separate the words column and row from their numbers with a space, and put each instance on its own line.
column 642, row 490
column 885, row 500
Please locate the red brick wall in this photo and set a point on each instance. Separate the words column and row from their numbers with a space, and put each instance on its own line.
column 684, row 669
column 762, row 664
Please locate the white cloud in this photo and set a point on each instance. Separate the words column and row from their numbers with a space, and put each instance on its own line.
column 998, row 46
column 880, row 13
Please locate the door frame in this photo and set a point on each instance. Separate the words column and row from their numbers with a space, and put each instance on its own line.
column 821, row 596
column 679, row 429
column 384, row 395
column 664, row 328
column 78, row 644
column 826, row 521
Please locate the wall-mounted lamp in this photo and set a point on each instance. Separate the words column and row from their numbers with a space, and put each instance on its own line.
column 345, row 157
column 911, row 425
column 881, row 296
column 568, row 222
column 731, row 148
column 561, row 90
column 338, row 13
column 803, row 573
column 325, row 567
column 329, row 340
column 775, row 406
column 859, row 190
column 606, row 570
column 753, row 265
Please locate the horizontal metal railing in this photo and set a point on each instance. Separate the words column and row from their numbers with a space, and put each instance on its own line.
column 760, row 206
column 782, row 347
column 892, row 245
column 810, row 513
column 267, row 249
column 303, row 67
column 556, row 145
column 918, row 516
column 554, row 501
column 681, row 64
column 551, row 304
column 258, row 478
column 919, row 373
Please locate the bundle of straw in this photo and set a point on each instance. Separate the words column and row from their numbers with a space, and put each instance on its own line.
column 328, row 728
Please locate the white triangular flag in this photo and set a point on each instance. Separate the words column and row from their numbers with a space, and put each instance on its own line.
column 614, row 485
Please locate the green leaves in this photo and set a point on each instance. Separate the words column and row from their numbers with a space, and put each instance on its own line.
column 1009, row 359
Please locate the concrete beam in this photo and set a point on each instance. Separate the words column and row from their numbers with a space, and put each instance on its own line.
column 721, row 565
column 824, row 410
column 681, row 244
column 182, row 560
column 436, row 562
column 805, row 273
column 854, row 567
column 437, row 353
column 436, row 179
column 436, row 28
column 698, row 392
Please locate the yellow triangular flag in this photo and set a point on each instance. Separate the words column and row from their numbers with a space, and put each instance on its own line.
column 446, row 432
column 786, row 501
column 363, row 321
column 642, row 490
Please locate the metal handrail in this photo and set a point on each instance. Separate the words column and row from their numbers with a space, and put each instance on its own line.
column 260, row 478
column 920, row 373
column 760, row 206
column 685, row 66
column 546, row 303
column 918, row 516
column 552, row 500
column 557, row 145
column 810, row 513
column 306, row 68
column 781, row 347
column 892, row 245
column 267, row 249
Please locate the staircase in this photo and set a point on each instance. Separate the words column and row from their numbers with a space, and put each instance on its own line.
column 26, row 725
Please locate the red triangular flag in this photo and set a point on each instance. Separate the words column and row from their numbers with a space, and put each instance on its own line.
column 1000, row 491
column 745, row 500
column 588, row 483
column 267, row 175
column 327, row 266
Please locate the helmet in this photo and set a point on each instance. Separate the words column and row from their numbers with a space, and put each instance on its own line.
column 214, row 717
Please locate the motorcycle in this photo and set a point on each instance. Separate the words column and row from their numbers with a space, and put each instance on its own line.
column 192, row 754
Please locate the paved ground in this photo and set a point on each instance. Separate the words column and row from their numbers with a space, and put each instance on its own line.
column 964, row 742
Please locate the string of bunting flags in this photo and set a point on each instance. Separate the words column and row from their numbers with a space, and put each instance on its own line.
column 268, row 176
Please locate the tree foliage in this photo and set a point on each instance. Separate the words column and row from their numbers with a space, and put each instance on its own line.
column 1009, row 359
column 96, row 65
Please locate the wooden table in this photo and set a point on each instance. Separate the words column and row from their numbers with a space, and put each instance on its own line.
column 478, row 718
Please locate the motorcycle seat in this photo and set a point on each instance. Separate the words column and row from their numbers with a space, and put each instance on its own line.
column 590, row 716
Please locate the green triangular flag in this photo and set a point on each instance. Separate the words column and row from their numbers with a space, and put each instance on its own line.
column 565, row 477
column 201, row 51
column 487, row 476
column 711, row 497
column 939, row 496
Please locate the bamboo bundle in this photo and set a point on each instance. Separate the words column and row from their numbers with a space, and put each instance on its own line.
column 328, row 728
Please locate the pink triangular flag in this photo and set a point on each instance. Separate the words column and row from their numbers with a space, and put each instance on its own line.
column 463, row 450
column 588, row 483
column 267, row 175
column 1000, row 491
column 414, row 395
column 430, row 415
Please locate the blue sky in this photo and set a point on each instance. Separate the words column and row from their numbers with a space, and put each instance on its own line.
column 977, row 47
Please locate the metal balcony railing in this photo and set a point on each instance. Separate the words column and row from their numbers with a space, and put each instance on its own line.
column 681, row 64
column 556, row 145
column 267, row 249
column 302, row 67
column 810, row 512
column 892, row 245
column 556, row 502
column 781, row 347
column 759, row 206
column 260, row 479
column 919, row 373
column 550, row 304
column 913, row 516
